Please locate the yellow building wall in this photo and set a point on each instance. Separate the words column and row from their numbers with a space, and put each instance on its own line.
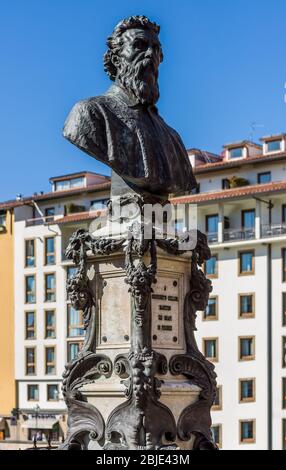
column 7, row 377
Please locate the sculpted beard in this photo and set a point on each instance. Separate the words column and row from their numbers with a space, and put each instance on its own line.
column 141, row 79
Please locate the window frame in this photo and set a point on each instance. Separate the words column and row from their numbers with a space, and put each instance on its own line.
column 246, row 358
column 283, row 215
column 243, row 316
column 211, row 338
column 37, row 387
column 28, row 364
column 251, row 440
column 246, row 400
column 26, row 292
column 54, row 253
column 49, row 364
column 50, row 290
column 262, row 174
column 207, row 217
column 80, row 343
column 283, row 361
column 215, row 317
column 283, row 384
column 74, row 326
column 283, row 309
column 246, row 273
column 243, row 212
column 219, row 406
column 215, row 425
column 212, row 276
column 273, row 151
column 54, row 328
column 28, row 338
column 53, row 399
column 25, row 253
column 230, row 150
column 283, row 260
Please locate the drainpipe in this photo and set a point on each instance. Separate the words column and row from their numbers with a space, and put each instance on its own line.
column 269, row 344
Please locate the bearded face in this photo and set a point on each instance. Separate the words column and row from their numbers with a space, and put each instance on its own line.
column 138, row 64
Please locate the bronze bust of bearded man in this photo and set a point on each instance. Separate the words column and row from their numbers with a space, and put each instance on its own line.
column 123, row 128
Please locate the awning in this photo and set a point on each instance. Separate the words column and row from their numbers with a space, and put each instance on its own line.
column 3, row 424
column 40, row 423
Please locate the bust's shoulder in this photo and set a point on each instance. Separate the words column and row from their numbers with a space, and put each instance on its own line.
column 88, row 105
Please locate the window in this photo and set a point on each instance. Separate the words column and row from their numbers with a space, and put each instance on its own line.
column 49, row 213
column 217, row 404
column 69, row 184
column 284, row 393
column 52, row 392
column 211, row 266
column 50, row 288
column 236, row 152
column 30, row 258
column 32, row 393
column 225, row 183
column 283, row 351
column 284, row 213
column 98, row 204
column 246, row 390
column 30, row 295
column 210, row 347
column 248, row 219
column 283, row 434
column 196, row 189
column 30, row 325
column 284, row 265
column 284, row 309
column 246, row 305
column 50, row 324
column 211, row 312
column 50, row 252
column 50, row 360
column 75, row 322
column 246, row 348
column 247, row 431
column 73, row 350
column 263, row 178
column 246, row 262
column 30, row 361
column 71, row 271
column 216, row 434
column 212, row 223
column 273, row 146
column 3, row 219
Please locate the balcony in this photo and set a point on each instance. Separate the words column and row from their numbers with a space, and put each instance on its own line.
column 273, row 230
column 40, row 221
column 239, row 234
column 212, row 237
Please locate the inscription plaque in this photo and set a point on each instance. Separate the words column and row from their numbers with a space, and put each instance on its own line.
column 165, row 298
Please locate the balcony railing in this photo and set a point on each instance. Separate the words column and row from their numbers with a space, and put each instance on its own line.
column 273, row 230
column 39, row 221
column 212, row 237
column 234, row 234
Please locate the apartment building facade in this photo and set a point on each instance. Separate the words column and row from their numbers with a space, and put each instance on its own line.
column 48, row 331
column 7, row 383
column 241, row 203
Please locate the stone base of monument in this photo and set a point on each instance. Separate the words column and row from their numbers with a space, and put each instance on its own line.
column 113, row 331
column 140, row 381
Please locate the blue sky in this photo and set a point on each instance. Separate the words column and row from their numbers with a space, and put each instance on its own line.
column 224, row 68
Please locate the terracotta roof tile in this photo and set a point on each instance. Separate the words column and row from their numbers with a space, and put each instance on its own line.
column 55, row 195
column 222, row 165
column 233, row 193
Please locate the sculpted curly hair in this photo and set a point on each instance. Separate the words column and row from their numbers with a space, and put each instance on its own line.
column 114, row 42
